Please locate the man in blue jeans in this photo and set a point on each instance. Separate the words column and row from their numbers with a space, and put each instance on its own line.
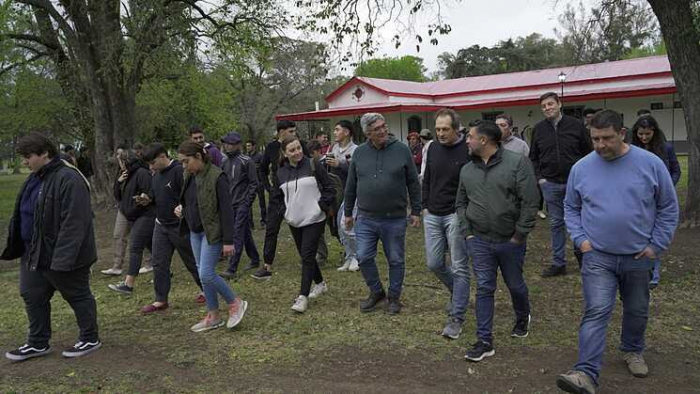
column 497, row 201
column 621, row 210
column 443, row 161
column 557, row 143
column 381, row 173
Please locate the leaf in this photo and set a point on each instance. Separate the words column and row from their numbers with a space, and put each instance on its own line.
column 70, row 374
column 687, row 328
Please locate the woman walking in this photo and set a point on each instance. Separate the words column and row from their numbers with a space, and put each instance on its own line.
column 302, row 182
column 205, row 207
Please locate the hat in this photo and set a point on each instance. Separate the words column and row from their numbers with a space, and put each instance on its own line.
column 231, row 138
column 412, row 134
column 425, row 133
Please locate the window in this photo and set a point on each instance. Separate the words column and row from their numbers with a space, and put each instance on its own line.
column 415, row 123
column 657, row 106
column 575, row 111
column 490, row 115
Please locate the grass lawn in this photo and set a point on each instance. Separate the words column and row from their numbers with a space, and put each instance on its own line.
column 335, row 348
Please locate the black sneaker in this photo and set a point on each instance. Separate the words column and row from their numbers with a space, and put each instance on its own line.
column 371, row 302
column 25, row 352
column 121, row 287
column 521, row 328
column 81, row 348
column 394, row 306
column 554, row 270
column 251, row 266
column 228, row 274
column 262, row 274
column 479, row 351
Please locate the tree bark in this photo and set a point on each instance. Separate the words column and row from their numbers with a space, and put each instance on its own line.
column 683, row 45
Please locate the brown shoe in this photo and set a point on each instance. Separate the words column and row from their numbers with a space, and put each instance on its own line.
column 636, row 365
column 150, row 308
column 576, row 382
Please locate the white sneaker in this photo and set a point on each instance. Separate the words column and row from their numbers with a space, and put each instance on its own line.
column 318, row 289
column 542, row 215
column 145, row 270
column 345, row 266
column 112, row 272
column 300, row 304
column 354, row 265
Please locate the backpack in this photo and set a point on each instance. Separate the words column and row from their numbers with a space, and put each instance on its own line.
column 339, row 191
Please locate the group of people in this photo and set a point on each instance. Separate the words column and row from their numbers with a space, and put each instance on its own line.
column 477, row 189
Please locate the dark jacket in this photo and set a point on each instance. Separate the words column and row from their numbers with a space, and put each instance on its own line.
column 554, row 152
column 214, row 154
column 165, row 193
column 138, row 181
column 85, row 166
column 379, row 179
column 670, row 160
column 441, row 176
column 63, row 236
column 498, row 200
column 257, row 158
column 242, row 178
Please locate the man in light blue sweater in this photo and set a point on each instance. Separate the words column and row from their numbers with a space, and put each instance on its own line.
column 621, row 210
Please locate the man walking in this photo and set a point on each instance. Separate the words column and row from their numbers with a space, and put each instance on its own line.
column 557, row 143
column 52, row 232
column 622, row 211
column 508, row 140
column 381, row 173
column 497, row 203
column 252, row 152
column 197, row 135
column 440, row 180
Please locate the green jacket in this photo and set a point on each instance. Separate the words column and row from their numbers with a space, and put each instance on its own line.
column 207, row 201
column 498, row 200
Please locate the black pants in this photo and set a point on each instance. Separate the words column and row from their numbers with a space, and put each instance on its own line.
column 243, row 238
column 261, row 202
column 140, row 238
column 306, row 239
column 37, row 289
column 166, row 240
column 275, row 215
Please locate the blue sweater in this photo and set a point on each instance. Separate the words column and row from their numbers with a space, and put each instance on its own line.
column 621, row 206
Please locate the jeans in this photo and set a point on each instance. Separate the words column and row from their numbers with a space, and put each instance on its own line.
column 275, row 215
column 207, row 256
column 347, row 237
column 441, row 233
column 141, row 238
column 120, row 237
column 487, row 258
column 243, row 238
column 165, row 241
column 392, row 233
column 553, row 194
column 656, row 274
column 306, row 240
column 37, row 289
column 602, row 275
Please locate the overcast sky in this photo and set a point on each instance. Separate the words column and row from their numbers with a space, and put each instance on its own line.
column 484, row 23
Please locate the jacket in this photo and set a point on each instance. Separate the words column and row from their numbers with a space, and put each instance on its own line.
column 270, row 162
column 300, row 187
column 379, row 180
column 441, row 177
column 138, row 181
column 242, row 178
column 165, row 193
column 499, row 200
column 63, row 237
column 554, row 152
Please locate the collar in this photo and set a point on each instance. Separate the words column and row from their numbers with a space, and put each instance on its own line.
column 49, row 167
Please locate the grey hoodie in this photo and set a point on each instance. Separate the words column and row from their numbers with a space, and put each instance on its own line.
column 380, row 178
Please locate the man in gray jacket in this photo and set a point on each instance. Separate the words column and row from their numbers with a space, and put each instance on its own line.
column 381, row 178
column 496, row 204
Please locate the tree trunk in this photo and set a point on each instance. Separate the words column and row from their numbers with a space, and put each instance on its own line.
column 683, row 45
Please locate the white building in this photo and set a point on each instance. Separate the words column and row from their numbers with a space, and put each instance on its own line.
column 624, row 86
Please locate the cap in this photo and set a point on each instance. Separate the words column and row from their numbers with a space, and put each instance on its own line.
column 425, row 133
column 231, row 138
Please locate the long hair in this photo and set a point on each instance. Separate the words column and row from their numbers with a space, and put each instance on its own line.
column 657, row 145
column 190, row 149
column 283, row 146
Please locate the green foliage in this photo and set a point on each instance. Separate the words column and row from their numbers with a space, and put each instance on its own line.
column 405, row 68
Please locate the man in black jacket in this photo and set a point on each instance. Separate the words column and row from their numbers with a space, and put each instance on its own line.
column 257, row 157
column 52, row 232
column 558, row 142
column 243, row 183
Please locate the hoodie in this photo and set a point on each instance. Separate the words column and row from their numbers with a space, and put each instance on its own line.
column 301, row 188
column 380, row 181
column 138, row 181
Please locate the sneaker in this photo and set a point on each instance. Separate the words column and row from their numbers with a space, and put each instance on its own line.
column 636, row 365
column 200, row 299
column 112, row 272
column 521, row 328
column 150, row 308
column 25, row 352
column 262, row 274
column 479, row 351
column 371, row 302
column 453, row 328
column 228, row 274
column 206, row 324
column 345, row 266
column 81, row 348
column 121, row 287
column 576, row 382
column 318, row 289
column 300, row 304
column 251, row 265
column 394, row 306
column 354, row 265
column 236, row 312
column 554, row 270
column 145, row 270
column 542, row 215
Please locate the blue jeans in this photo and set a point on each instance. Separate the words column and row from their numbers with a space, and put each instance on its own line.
column 347, row 237
column 392, row 233
column 206, row 256
column 487, row 258
column 553, row 194
column 442, row 232
column 602, row 274
column 656, row 275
